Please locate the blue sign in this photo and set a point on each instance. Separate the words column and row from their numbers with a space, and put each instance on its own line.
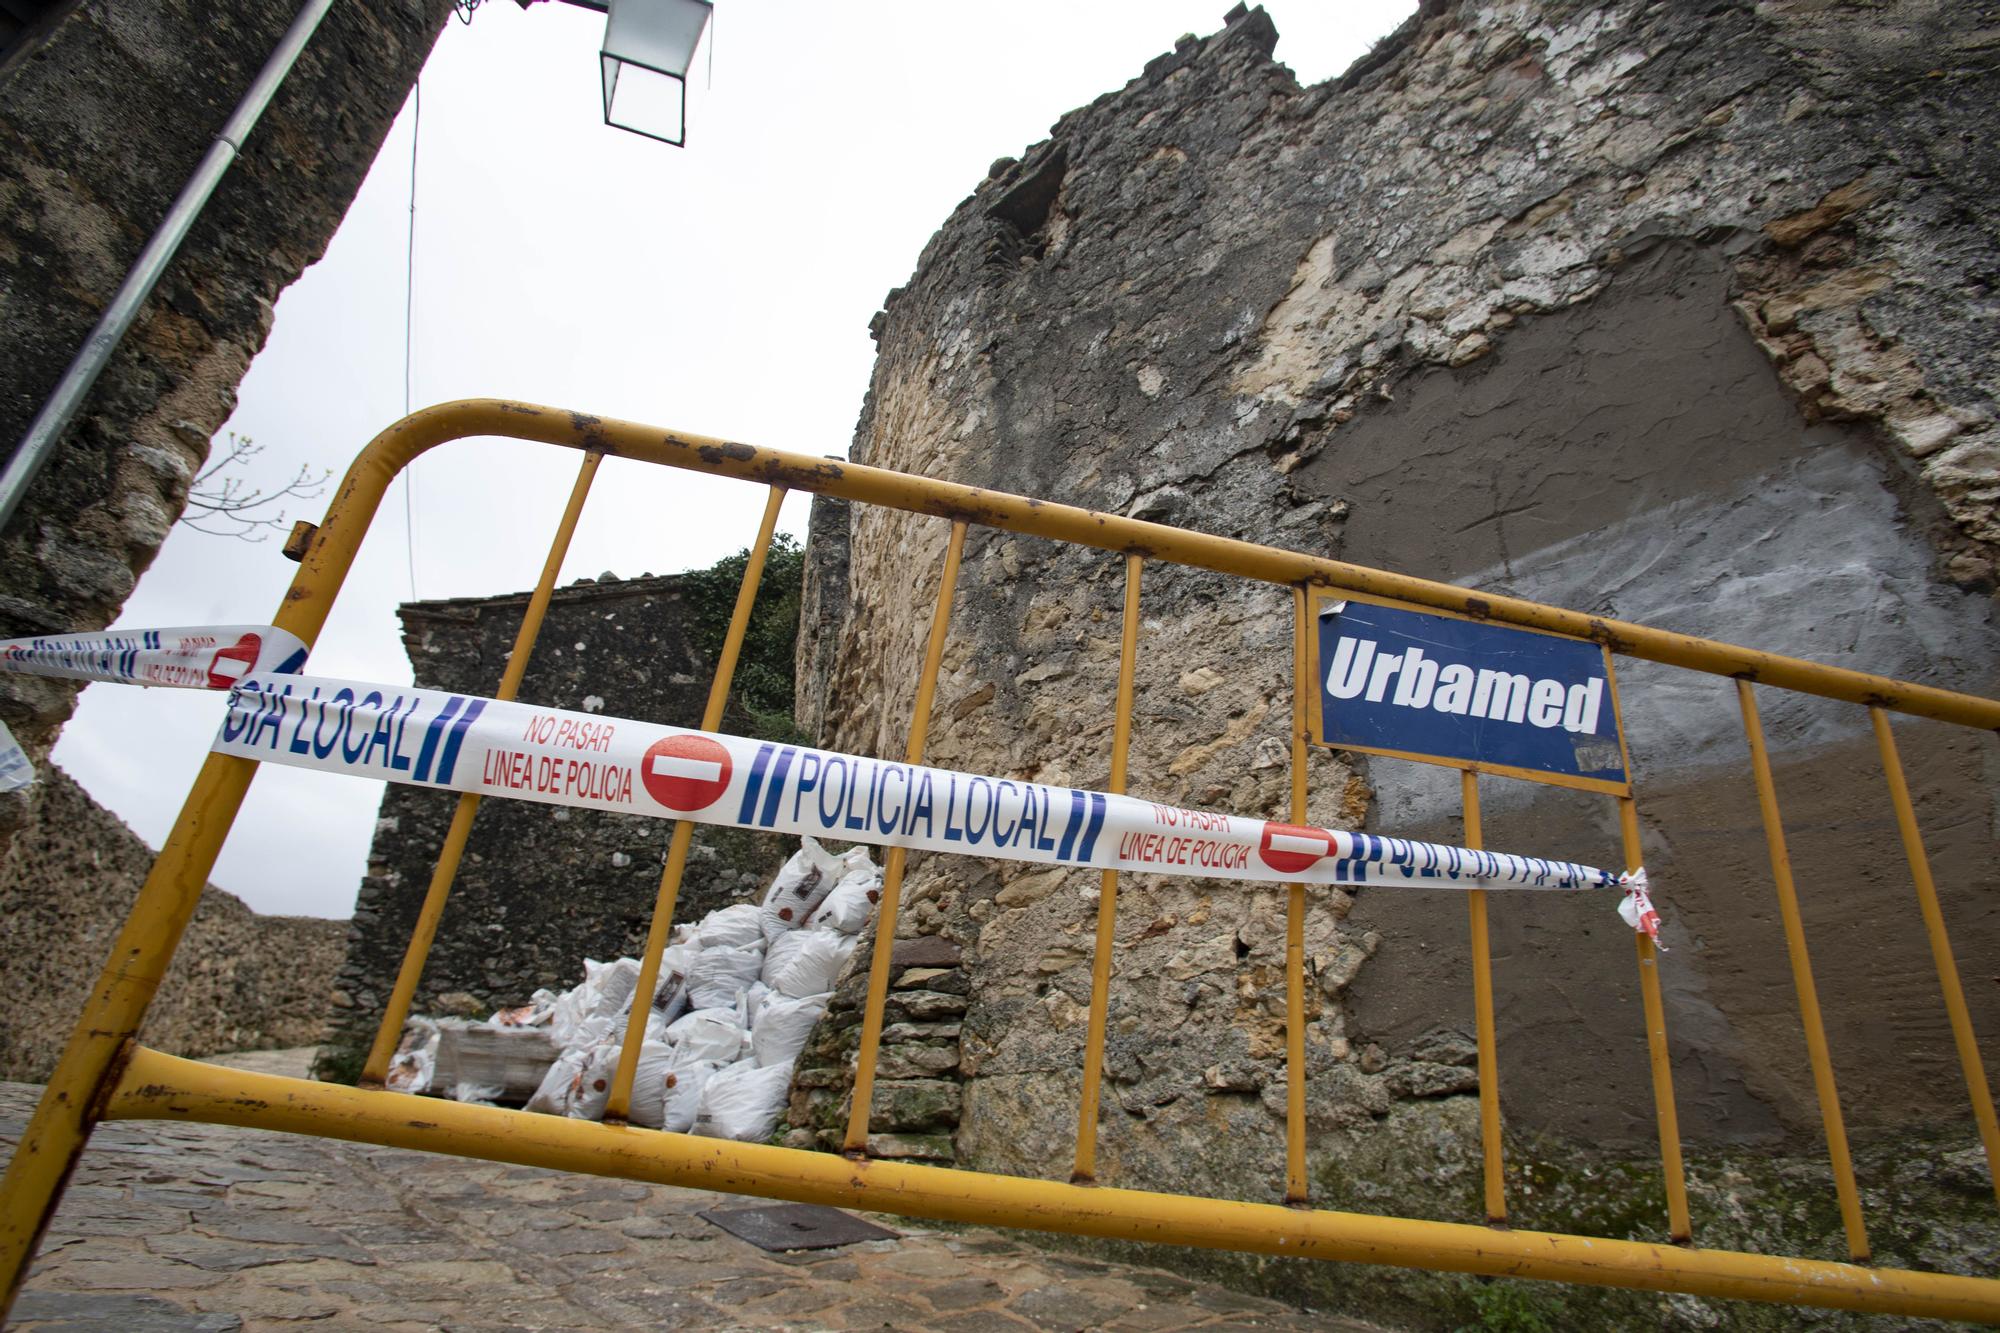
column 1465, row 692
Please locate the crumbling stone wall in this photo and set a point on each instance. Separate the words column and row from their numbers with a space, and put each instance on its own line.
column 1669, row 312
column 101, row 121
column 540, row 888
column 241, row 981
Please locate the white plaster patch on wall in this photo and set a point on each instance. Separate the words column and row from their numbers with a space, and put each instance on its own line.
column 1776, row 553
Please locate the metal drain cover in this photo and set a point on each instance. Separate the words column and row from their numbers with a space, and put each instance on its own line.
column 795, row 1226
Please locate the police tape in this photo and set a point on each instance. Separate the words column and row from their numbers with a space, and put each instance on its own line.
column 465, row 743
column 212, row 657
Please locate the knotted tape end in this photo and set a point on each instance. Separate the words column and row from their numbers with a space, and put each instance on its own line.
column 1636, row 907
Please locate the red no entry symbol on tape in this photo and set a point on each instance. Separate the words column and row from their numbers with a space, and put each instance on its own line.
column 1290, row 849
column 685, row 772
column 234, row 662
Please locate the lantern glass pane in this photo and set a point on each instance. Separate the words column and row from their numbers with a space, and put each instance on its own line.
column 645, row 101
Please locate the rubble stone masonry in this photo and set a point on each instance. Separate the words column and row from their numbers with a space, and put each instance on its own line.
column 241, row 981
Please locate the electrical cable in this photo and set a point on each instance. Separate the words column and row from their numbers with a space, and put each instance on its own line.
column 409, row 326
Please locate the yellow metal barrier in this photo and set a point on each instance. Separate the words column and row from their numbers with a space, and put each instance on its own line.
column 103, row 1074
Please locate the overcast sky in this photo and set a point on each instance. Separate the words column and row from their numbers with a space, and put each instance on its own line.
column 724, row 288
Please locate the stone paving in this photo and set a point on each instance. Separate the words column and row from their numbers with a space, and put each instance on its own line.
column 200, row 1227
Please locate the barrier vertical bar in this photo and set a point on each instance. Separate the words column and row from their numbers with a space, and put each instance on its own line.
column 390, row 1031
column 1947, row 967
column 1802, row 980
column 618, row 1105
column 1085, row 1169
column 1482, row 1015
column 856, row 1141
column 1679, row 1227
column 1297, row 1189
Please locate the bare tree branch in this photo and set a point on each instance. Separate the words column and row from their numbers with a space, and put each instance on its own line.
column 221, row 495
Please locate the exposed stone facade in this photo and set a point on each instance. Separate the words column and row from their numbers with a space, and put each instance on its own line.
column 919, row 1094
column 1674, row 313
column 542, row 888
column 101, row 122
column 241, row 981
column 106, row 107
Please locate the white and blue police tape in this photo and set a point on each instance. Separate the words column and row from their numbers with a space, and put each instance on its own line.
column 16, row 769
column 212, row 657
column 464, row 743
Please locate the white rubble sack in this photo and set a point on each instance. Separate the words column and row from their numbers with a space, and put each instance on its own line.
column 649, row 1084
column 743, row 1102
column 717, row 976
column 728, row 927
column 782, row 1027
column 708, row 1034
column 559, row 1085
column 806, row 962
column 615, row 984
column 753, row 1002
column 682, row 1088
column 851, row 903
column 606, row 991
column 670, row 997
column 415, row 1060
column 505, row 1063
column 537, row 1012
column 593, row 1084
column 800, row 887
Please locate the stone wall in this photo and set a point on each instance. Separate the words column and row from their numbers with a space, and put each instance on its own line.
column 1673, row 313
column 542, row 888
column 101, row 122
column 241, row 981
column 919, row 1093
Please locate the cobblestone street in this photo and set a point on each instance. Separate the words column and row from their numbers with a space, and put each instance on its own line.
column 196, row 1227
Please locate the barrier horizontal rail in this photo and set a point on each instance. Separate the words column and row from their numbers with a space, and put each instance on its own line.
column 164, row 1087
column 103, row 1074
column 409, row 438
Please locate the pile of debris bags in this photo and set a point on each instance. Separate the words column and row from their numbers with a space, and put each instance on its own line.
column 738, row 995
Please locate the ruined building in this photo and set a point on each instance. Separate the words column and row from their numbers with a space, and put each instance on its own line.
column 1680, row 314
column 1663, row 313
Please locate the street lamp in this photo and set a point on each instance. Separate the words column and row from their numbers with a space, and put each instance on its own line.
column 648, row 46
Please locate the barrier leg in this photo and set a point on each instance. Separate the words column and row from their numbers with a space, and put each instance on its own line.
column 1482, row 1016
column 1679, row 1227
column 1085, row 1169
column 1947, row 967
column 1802, row 981
column 856, row 1142
column 1298, row 1191
column 445, row 873
column 619, row 1104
